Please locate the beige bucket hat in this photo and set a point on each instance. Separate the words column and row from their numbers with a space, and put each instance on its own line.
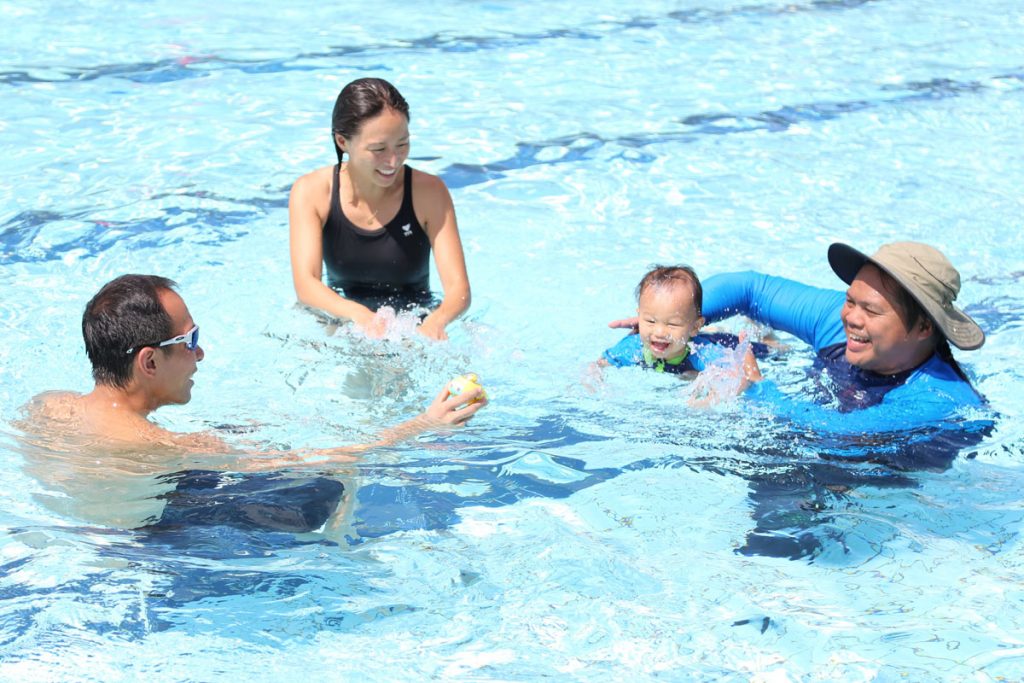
column 926, row 274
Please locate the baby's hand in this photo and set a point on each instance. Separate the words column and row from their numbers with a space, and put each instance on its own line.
column 432, row 330
column 728, row 377
column 593, row 376
column 751, row 370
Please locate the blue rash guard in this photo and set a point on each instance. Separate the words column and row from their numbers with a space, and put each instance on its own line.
column 630, row 351
column 924, row 396
column 920, row 419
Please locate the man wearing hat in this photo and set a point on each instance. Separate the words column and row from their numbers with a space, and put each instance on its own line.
column 884, row 342
column 883, row 365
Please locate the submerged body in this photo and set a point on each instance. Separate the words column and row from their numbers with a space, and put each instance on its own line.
column 669, row 315
column 141, row 476
column 102, row 456
column 884, row 400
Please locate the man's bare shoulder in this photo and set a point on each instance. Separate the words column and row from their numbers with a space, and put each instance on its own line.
column 73, row 416
column 59, row 406
column 189, row 442
column 55, row 398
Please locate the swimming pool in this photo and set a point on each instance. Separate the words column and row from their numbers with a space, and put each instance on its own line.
column 566, row 533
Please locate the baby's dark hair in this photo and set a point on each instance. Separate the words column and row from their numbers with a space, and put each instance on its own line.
column 660, row 276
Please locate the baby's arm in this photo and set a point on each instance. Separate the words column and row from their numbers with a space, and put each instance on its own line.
column 751, row 371
column 727, row 376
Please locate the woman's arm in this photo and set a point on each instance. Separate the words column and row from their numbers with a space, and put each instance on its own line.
column 308, row 205
column 443, row 231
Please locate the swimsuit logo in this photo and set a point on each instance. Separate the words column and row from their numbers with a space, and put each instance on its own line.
column 407, row 230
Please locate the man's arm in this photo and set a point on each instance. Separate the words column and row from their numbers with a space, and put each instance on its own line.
column 810, row 313
column 445, row 410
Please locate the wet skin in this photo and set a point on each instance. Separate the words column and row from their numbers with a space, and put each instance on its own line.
column 667, row 319
column 877, row 336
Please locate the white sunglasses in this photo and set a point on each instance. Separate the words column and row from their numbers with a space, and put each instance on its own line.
column 190, row 339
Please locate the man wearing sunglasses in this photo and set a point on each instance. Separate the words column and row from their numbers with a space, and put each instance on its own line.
column 144, row 348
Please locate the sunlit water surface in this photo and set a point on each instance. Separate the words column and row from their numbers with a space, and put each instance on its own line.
column 569, row 532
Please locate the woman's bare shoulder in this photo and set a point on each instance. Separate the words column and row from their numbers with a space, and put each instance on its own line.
column 427, row 182
column 314, row 183
column 431, row 198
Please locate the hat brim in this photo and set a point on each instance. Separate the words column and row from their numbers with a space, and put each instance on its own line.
column 846, row 261
column 958, row 327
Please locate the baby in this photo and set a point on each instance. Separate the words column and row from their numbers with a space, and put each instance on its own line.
column 669, row 300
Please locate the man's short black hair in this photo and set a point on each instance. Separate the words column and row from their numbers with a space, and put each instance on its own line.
column 125, row 313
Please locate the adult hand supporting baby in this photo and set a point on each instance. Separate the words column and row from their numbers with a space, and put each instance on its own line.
column 625, row 324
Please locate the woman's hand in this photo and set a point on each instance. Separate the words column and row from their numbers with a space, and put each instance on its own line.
column 373, row 325
column 432, row 328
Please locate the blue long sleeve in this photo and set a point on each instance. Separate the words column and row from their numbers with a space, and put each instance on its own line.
column 809, row 313
column 932, row 396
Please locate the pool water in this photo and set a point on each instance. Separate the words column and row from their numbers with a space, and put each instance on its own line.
column 575, row 530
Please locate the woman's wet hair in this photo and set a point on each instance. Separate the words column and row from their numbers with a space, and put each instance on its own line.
column 125, row 314
column 661, row 276
column 360, row 100
column 913, row 315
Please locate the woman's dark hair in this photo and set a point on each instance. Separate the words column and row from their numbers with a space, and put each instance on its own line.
column 659, row 276
column 913, row 313
column 125, row 314
column 360, row 100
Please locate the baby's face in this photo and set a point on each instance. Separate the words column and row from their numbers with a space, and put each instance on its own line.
column 668, row 319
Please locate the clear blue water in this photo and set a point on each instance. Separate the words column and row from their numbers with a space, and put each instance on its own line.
column 566, row 533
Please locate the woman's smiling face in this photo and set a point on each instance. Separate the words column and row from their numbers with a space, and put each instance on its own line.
column 379, row 149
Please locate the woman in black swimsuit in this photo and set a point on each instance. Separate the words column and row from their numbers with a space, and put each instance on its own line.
column 373, row 221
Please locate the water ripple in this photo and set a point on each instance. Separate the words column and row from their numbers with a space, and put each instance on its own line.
column 160, row 71
column 584, row 145
column 181, row 68
column 22, row 238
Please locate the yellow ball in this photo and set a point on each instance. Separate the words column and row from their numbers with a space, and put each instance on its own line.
column 464, row 383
